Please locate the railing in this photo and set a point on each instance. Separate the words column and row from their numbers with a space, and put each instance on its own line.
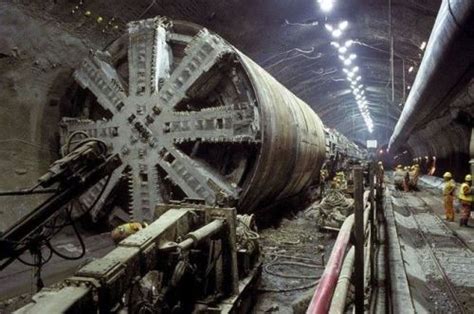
column 331, row 293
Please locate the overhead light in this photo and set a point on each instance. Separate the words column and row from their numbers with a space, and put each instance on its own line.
column 326, row 5
column 343, row 25
column 336, row 33
column 408, row 87
column 410, row 69
column 352, row 56
column 342, row 50
column 347, row 62
column 335, row 44
column 423, row 45
column 355, row 69
column 361, row 86
column 350, row 74
column 400, row 104
column 348, row 43
column 358, row 78
column 328, row 27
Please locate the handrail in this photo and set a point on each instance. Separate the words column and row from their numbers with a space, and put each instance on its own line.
column 322, row 297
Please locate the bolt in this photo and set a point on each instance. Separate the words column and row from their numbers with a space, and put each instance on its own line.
column 125, row 150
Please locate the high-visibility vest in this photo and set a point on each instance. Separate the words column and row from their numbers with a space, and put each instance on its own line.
column 465, row 193
column 449, row 187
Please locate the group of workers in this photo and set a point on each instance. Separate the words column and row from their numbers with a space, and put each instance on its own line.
column 464, row 196
column 406, row 178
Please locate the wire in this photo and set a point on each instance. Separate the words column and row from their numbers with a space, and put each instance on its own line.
column 79, row 237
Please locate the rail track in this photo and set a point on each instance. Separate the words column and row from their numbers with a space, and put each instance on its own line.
column 448, row 262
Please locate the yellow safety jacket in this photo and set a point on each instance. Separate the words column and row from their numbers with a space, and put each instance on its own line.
column 449, row 187
column 465, row 193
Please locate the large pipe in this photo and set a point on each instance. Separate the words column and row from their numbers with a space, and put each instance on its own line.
column 323, row 294
column 446, row 66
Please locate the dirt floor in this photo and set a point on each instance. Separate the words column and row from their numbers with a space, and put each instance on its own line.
column 439, row 265
column 293, row 255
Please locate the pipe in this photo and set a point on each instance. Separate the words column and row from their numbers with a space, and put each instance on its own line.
column 193, row 238
column 324, row 291
column 445, row 68
column 323, row 294
column 338, row 303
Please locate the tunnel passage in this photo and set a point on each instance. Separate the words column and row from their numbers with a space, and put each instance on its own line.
column 191, row 117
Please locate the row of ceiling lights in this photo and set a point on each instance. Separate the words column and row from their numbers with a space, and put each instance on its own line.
column 349, row 68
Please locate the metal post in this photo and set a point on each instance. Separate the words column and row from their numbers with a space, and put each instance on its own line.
column 359, row 240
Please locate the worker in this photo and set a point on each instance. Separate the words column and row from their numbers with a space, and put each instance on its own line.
column 414, row 174
column 379, row 173
column 123, row 231
column 448, row 195
column 465, row 198
column 398, row 177
column 433, row 166
column 406, row 179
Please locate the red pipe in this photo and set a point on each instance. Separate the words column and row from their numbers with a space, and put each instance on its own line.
column 322, row 296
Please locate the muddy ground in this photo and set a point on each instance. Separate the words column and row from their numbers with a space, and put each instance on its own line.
column 293, row 255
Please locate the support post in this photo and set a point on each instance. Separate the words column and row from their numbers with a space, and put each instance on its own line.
column 359, row 239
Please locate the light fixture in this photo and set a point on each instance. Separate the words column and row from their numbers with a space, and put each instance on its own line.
column 355, row 69
column 423, row 45
column 348, row 43
column 408, row 87
column 326, row 5
column 349, row 74
column 361, row 86
column 352, row 56
column 343, row 25
column 342, row 49
column 358, row 78
column 347, row 62
column 336, row 33
column 328, row 27
column 410, row 69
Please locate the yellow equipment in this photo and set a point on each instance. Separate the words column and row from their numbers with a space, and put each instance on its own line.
column 125, row 230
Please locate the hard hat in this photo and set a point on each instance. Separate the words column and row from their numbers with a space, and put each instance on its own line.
column 468, row 178
column 379, row 162
column 447, row 175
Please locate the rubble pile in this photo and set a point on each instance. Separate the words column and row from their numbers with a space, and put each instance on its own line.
column 332, row 210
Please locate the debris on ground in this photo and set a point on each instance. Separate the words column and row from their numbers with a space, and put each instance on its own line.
column 332, row 210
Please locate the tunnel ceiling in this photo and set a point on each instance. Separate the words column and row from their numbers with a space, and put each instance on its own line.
column 288, row 38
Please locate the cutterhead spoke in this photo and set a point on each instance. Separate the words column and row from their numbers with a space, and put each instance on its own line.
column 195, row 178
column 100, row 193
column 202, row 54
column 227, row 124
column 144, row 191
column 148, row 56
column 103, row 81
